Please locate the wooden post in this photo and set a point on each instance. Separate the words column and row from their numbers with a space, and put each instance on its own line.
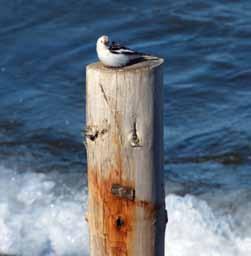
column 124, row 137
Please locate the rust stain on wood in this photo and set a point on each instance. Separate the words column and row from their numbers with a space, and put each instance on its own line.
column 117, row 237
column 119, row 214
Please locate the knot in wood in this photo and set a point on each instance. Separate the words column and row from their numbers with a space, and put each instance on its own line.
column 134, row 138
column 91, row 133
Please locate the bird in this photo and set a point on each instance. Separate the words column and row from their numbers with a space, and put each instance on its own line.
column 116, row 55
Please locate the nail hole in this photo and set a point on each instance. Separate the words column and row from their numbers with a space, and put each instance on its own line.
column 119, row 222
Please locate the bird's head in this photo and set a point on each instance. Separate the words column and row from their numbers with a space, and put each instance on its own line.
column 103, row 41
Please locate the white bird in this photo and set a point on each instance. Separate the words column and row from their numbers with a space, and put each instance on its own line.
column 114, row 54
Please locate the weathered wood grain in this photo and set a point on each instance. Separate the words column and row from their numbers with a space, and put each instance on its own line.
column 124, row 138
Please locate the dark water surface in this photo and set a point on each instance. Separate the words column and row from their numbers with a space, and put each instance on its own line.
column 44, row 47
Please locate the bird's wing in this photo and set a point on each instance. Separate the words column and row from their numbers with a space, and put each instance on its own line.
column 120, row 49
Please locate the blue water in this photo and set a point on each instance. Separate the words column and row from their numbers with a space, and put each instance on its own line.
column 44, row 48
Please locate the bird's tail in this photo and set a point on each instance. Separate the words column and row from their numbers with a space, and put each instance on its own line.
column 150, row 57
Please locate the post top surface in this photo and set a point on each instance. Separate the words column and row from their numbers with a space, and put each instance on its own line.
column 145, row 64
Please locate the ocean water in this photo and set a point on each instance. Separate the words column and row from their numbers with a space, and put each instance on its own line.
column 44, row 48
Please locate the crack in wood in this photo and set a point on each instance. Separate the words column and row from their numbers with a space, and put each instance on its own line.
column 114, row 113
column 104, row 94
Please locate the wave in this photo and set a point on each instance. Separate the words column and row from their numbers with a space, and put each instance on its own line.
column 41, row 215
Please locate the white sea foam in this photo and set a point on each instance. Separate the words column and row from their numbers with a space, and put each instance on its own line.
column 34, row 220
column 37, row 220
column 194, row 229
